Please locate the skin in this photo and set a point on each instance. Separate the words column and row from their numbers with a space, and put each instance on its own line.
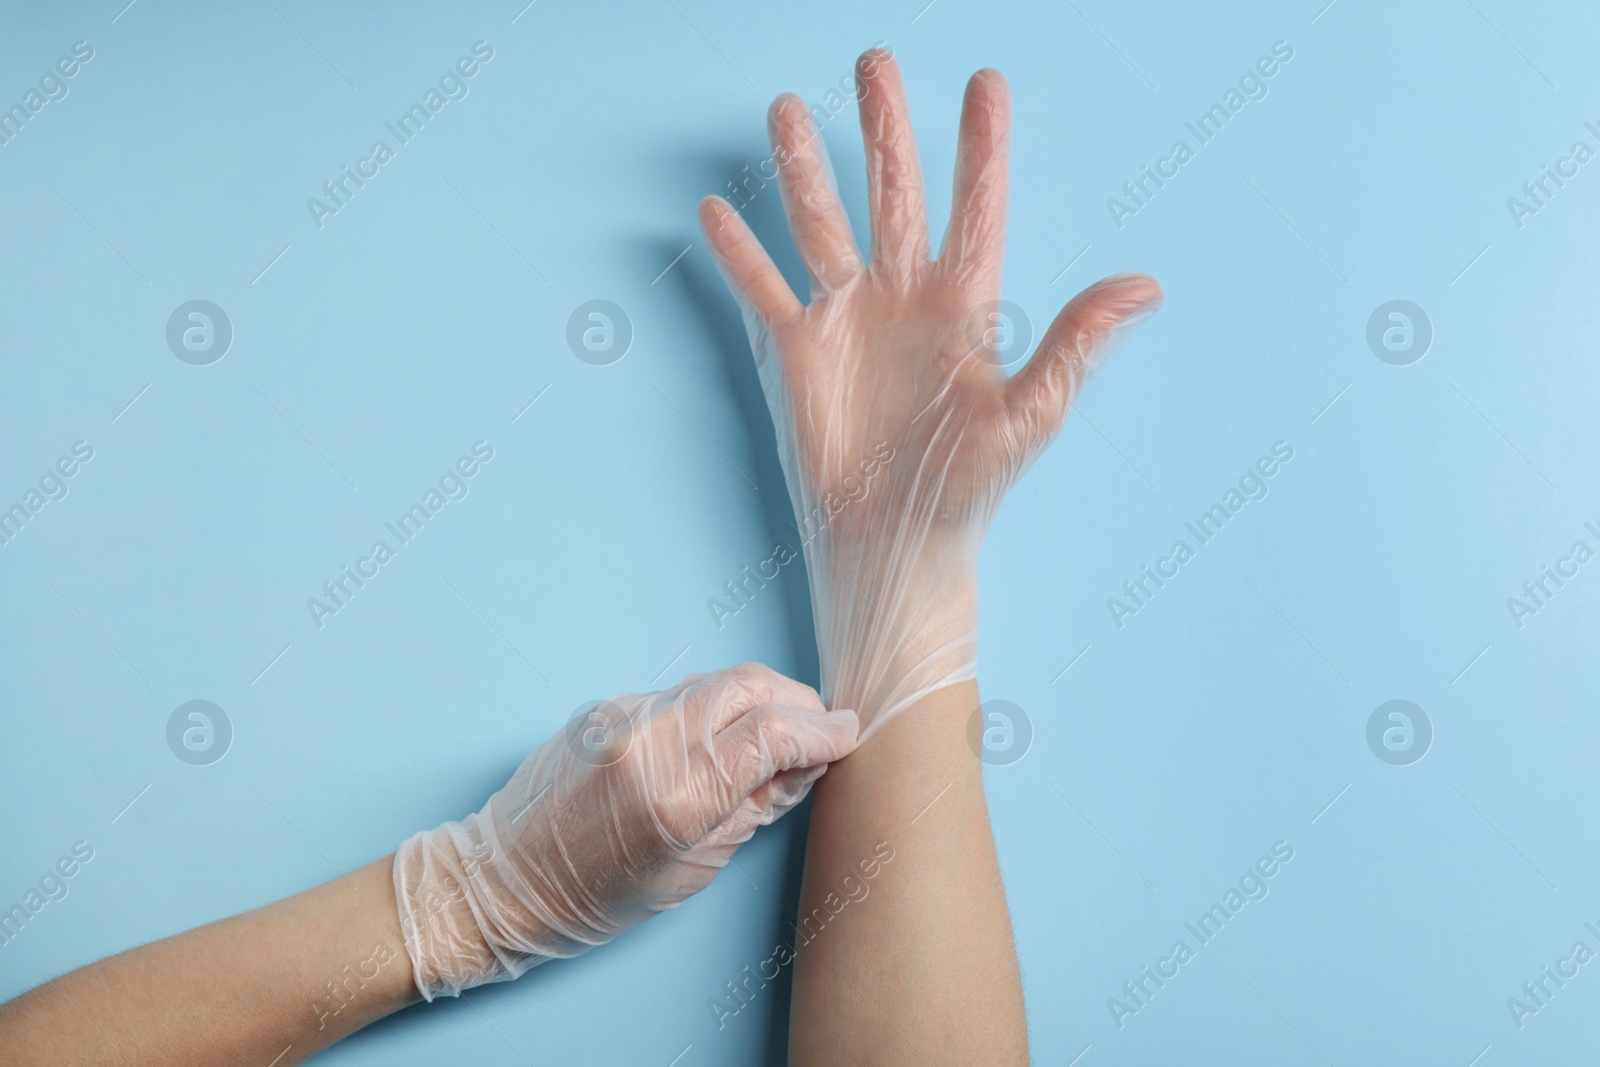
column 923, row 969
column 713, row 759
column 921, row 966
column 246, row 989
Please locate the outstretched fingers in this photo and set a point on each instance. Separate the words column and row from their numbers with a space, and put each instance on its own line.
column 817, row 221
column 749, row 271
column 975, row 243
column 1083, row 336
column 894, row 175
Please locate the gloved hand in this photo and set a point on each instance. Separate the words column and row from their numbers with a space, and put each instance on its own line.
column 896, row 358
column 630, row 811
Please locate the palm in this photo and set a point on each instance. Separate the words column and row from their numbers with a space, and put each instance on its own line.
column 889, row 354
column 891, row 350
column 873, row 363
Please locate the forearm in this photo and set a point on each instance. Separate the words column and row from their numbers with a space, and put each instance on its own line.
column 283, row 981
column 919, row 965
column 621, row 815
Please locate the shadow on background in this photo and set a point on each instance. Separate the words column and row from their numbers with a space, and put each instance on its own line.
column 696, row 277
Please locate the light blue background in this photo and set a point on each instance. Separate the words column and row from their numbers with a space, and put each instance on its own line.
column 1221, row 719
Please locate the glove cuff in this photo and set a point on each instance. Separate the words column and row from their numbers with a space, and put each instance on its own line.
column 441, row 914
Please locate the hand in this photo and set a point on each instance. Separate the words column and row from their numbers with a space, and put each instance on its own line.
column 894, row 358
column 630, row 811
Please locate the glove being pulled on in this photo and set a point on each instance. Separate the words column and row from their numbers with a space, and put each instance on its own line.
column 632, row 809
column 898, row 429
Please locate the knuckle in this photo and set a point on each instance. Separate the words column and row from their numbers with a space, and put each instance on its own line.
column 770, row 727
column 748, row 683
column 747, row 756
column 812, row 698
column 750, row 672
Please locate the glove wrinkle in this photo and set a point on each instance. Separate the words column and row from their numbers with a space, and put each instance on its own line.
column 584, row 843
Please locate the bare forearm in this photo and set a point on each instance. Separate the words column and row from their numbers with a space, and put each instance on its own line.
column 283, row 981
column 917, row 964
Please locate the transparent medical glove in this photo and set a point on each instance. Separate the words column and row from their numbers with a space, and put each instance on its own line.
column 898, row 428
column 630, row 811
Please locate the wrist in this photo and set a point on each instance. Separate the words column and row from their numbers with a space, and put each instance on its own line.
column 888, row 639
column 444, row 938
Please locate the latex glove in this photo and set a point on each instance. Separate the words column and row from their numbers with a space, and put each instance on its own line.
column 630, row 811
column 895, row 357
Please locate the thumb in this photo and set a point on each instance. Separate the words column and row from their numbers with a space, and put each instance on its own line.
column 775, row 738
column 1086, row 334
